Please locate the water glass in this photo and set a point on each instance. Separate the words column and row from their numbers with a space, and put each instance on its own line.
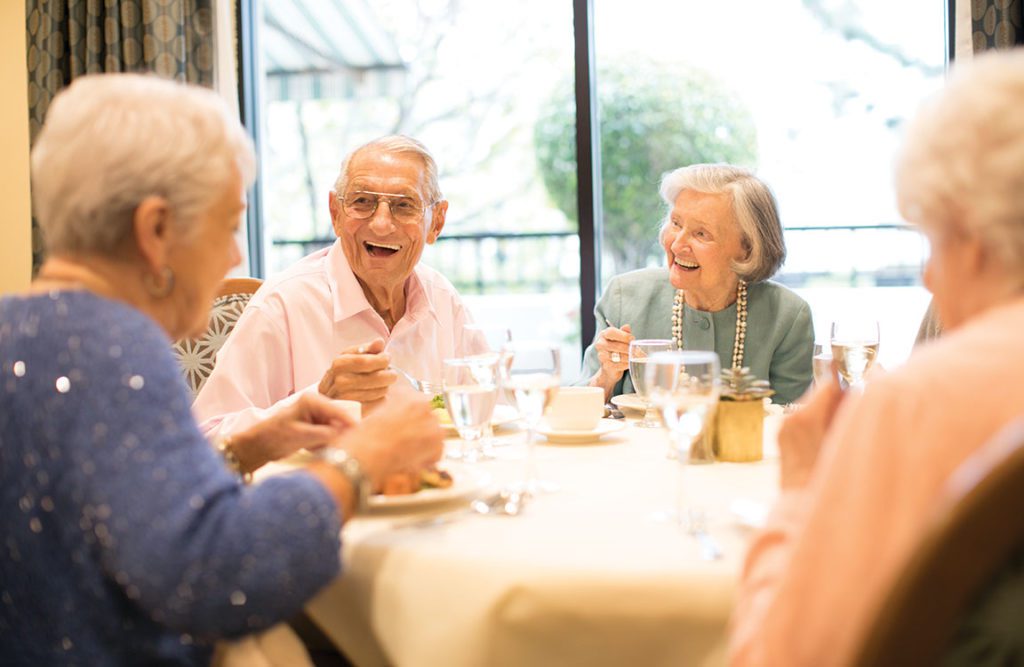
column 821, row 363
column 530, row 372
column 854, row 348
column 488, row 339
column 684, row 386
column 470, row 391
column 639, row 353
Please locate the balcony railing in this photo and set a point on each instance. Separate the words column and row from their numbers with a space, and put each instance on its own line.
column 538, row 262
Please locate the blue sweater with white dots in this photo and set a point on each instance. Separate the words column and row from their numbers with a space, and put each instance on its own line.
column 125, row 540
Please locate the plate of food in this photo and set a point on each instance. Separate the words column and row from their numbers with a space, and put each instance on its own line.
column 435, row 485
column 503, row 414
column 629, row 402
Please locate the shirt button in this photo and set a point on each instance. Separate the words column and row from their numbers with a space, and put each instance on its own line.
column 704, row 324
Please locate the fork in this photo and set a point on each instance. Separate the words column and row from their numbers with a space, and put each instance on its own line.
column 422, row 386
column 698, row 528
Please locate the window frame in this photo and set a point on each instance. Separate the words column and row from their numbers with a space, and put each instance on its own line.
column 588, row 152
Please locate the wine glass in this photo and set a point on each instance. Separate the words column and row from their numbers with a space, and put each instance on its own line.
column 530, row 373
column 639, row 352
column 684, row 386
column 470, row 391
column 854, row 348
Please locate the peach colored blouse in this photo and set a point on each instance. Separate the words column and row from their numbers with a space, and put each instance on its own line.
column 814, row 577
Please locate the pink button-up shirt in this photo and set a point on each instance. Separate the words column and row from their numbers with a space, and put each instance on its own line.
column 297, row 323
column 816, row 576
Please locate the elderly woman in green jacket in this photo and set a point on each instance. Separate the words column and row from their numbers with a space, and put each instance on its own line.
column 722, row 241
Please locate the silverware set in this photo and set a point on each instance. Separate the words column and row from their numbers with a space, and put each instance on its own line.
column 506, row 502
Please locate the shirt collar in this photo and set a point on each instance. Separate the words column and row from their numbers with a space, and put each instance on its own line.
column 348, row 297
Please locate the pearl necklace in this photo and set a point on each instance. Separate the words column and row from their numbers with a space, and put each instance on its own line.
column 741, row 323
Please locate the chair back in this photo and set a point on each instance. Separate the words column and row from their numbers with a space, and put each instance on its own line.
column 975, row 535
column 197, row 356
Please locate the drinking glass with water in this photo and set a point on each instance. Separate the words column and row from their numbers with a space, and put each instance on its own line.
column 640, row 352
column 470, row 393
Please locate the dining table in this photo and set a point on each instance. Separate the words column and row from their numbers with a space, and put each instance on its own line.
column 595, row 569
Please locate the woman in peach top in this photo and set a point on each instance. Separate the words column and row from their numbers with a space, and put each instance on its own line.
column 862, row 472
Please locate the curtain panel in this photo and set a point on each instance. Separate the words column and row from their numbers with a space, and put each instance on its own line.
column 69, row 38
column 996, row 24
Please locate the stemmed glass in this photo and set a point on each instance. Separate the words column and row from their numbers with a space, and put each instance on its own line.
column 639, row 353
column 684, row 386
column 854, row 348
column 530, row 371
column 470, row 392
column 487, row 339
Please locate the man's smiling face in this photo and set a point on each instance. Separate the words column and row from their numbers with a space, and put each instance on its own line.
column 382, row 249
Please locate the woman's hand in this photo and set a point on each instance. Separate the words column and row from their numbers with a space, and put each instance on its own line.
column 311, row 421
column 802, row 432
column 402, row 435
column 360, row 373
column 612, row 347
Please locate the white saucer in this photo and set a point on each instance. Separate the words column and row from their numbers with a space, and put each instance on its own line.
column 604, row 427
column 629, row 402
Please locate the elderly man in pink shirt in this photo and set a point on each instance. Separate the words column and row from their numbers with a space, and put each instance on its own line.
column 862, row 473
column 340, row 318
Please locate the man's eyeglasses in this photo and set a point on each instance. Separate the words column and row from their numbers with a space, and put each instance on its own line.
column 362, row 204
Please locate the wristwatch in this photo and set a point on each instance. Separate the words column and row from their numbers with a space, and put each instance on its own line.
column 350, row 467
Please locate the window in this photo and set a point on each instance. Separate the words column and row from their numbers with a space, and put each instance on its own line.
column 816, row 105
column 467, row 80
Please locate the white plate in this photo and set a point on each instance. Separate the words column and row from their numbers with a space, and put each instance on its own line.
column 604, row 427
column 503, row 414
column 629, row 402
column 465, row 482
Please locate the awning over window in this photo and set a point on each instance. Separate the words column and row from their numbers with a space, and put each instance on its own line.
column 326, row 49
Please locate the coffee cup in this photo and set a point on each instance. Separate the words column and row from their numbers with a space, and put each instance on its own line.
column 576, row 409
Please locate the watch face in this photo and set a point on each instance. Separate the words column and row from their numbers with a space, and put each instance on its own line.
column 349, row 467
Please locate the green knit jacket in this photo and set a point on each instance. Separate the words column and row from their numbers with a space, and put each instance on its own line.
column 779, row 341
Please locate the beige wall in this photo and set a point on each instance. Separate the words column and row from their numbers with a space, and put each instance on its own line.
column 15, row 207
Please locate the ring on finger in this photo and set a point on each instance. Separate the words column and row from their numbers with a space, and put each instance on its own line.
column 615, row 357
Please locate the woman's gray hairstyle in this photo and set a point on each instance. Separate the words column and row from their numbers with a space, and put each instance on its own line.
column 395, row 144
column 754, row 206
column 962, row 164
column 111, row 140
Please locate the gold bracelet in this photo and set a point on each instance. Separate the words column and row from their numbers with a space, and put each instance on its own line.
column 226, row 448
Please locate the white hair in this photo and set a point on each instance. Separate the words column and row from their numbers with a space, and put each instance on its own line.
column 111, row 140
column 753, row 204
column 395, row 144
column 962, row 164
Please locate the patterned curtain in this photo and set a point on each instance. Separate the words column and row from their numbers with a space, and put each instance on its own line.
column 69, row 38
column 996, row 24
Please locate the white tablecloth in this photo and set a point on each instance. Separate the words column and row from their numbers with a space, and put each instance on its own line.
column 587, row 575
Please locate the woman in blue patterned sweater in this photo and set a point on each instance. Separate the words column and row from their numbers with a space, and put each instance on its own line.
column 126, row 538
